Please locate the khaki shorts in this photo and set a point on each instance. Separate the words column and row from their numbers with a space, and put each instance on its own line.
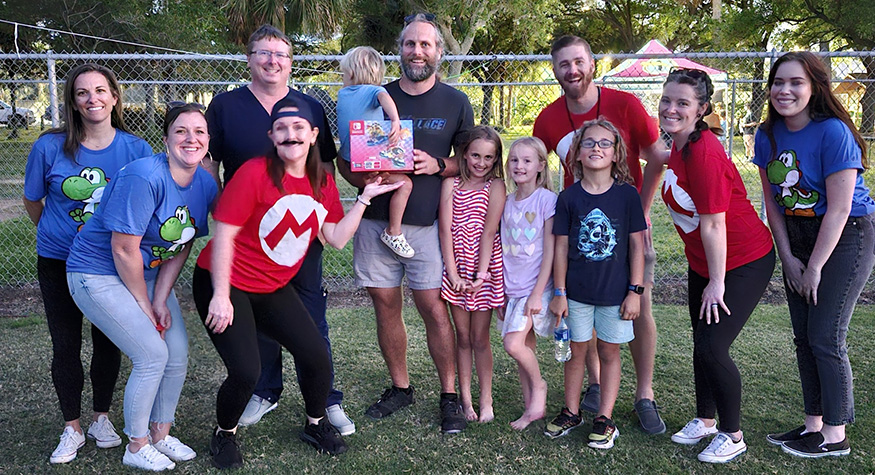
column 375, row 265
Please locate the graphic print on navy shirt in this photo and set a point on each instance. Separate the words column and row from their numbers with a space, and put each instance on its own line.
column 597, row 237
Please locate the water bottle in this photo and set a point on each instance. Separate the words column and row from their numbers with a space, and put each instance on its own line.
column 562, row 342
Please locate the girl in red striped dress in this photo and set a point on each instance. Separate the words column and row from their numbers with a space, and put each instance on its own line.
column 473, row 282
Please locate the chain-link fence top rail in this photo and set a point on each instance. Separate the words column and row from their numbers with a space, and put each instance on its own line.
column 506, row 91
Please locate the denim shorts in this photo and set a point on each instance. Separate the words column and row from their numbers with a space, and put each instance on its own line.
column 609, row 327
column 375, row 265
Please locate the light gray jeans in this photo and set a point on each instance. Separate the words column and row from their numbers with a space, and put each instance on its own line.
column 159, row 365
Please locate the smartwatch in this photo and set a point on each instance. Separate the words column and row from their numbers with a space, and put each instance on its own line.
column 442, row 165
column 638, row 289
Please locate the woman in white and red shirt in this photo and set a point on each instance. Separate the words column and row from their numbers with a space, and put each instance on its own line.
column 730, row 255
column 268, row 215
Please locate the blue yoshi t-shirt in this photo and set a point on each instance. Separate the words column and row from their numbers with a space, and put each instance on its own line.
column 73, row 189
column 143, row 200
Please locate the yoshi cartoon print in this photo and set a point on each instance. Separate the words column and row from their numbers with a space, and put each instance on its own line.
column 177, row 230
column 87, row 187
column 785, row 173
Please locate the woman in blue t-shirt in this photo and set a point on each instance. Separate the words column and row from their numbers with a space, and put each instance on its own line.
column 811, row 160
column 122, row 268
column 69, row 167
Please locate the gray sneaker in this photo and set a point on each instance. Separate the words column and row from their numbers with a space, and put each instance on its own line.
column 592, row 399
column 648, row 416
column 255, row 409
column 338, row 418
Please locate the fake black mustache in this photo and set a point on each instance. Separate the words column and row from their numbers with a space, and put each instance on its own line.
column 290, row 142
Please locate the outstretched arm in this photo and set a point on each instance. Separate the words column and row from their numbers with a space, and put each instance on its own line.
column 340, row 233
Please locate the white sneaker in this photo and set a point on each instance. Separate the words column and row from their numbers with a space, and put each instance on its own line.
column 256, row 408
column 148, row 458
column 103, row 432
column 174, row 449
column 398, row 244
column 722, row 449
column 338, row 418
column 693, row 432
column 71, row 442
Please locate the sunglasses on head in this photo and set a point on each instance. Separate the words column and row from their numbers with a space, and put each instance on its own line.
column 429, row 17
column 174, row 104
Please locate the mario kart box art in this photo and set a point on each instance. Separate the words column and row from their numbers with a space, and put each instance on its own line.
column 370, row 148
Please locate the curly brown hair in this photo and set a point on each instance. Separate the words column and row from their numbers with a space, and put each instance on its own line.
column 619, row 170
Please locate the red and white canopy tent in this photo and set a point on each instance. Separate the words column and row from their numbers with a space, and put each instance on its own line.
column 644, row 76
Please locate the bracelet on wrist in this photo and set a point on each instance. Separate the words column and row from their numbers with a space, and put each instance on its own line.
column 362, row 200
column 559, row 292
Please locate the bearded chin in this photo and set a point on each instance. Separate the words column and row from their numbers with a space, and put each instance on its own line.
column 580, row 90
column 418, row 74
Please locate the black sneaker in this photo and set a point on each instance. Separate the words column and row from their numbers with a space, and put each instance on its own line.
column 452, row 418
column 563, row 423
column 592, row 398
column 324, row 437
column 812, row 446
column 393, row 399
column 225, row 450
column 603, row 434
column 795, row 434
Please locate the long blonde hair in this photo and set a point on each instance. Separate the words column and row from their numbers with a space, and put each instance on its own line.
column 544, row 179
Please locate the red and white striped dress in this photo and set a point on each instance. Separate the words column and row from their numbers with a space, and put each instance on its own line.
column 469, row 219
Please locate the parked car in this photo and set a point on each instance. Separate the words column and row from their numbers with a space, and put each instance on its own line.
column 23, row 116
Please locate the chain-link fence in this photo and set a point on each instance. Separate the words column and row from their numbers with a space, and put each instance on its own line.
column 506, row 91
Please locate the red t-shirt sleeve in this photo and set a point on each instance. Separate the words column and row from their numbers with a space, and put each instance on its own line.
column 240, row 196
column 642, row 128
column 331, row 201
column 709, row 176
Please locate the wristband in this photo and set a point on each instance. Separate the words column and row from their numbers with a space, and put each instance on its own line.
column 363, row 201
column 559, row 292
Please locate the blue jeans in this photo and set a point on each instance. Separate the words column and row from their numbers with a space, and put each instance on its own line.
column 308, row 284
column 159, row 365
column 820, row 331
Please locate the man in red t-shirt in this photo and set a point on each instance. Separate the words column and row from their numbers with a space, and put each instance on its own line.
column 574, row 69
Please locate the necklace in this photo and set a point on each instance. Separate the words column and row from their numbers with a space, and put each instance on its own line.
column 598, row 108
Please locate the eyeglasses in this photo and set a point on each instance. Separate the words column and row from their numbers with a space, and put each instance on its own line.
column 174, row 104
column 603, row 143
column 689, row 72
column 429, row 17
column 265, row 55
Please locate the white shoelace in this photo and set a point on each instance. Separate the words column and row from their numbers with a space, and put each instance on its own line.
column 719, row 444
column 693, row 428
column 104, row 429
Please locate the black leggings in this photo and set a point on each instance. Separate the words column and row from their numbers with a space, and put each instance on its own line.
column 65, row 327
column 718, row 382
column 279, row 315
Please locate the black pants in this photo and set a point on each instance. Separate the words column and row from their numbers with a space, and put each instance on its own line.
column 279, row 315
column 718, row 382
column 65, row 327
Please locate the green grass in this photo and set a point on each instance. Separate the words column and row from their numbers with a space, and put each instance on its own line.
column 410, row 442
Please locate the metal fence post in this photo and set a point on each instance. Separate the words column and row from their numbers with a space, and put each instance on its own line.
column 53, row 89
